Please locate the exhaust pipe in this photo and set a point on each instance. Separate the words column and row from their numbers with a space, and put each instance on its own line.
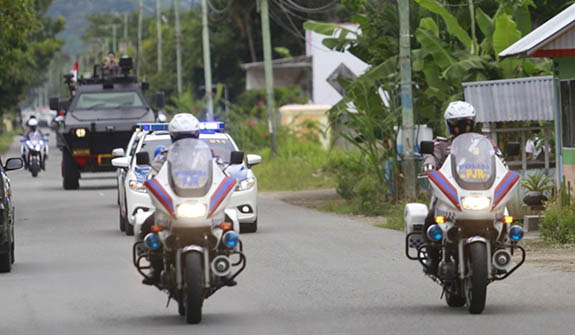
column 221, row 266
column 501, row 259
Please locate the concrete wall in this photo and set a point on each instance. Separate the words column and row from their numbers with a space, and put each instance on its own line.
column 294, row 115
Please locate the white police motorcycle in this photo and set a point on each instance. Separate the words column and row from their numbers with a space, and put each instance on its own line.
column 473, row 238
column 193, row 233
column 34, row 153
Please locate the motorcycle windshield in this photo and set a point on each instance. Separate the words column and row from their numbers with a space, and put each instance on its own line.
column 190, row 167
column 35, row 139
column 473, row 161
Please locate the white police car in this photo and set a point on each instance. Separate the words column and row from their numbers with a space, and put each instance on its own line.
column 244, row 198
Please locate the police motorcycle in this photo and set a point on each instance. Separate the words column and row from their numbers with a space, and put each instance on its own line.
column 34, row 152
column 193, row 232
column 472, row 236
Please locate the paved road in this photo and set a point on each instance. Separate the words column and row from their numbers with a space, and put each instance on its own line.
column 308, row 273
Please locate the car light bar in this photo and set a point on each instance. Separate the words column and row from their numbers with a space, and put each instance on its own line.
column 152, row 126
column 212, row 126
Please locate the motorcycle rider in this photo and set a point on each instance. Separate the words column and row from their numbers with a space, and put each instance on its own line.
column 32, row 128
column 459, row 118
column 183, row 125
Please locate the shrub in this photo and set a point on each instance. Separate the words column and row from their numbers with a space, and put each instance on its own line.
column 558, row 223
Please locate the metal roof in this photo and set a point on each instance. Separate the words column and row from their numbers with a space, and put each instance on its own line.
column 542, row 36
column 523, row 99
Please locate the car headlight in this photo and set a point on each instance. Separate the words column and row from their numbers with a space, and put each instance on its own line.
column 80, row 132
column 246, row 184
column 191, row 210
column 137, row 186
column 476, row 203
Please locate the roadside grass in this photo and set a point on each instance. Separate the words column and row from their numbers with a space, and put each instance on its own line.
column 6, row 140
column 299, row 165
column 531, row 245
column 393, row 216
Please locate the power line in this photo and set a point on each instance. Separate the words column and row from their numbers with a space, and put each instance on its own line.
column 308, row 10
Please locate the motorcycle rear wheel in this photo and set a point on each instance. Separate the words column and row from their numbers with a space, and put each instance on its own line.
column 477, row 284
column 193, row 291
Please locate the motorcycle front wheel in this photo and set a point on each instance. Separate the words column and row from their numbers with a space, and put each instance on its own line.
column 477, row 283
column 193, row 291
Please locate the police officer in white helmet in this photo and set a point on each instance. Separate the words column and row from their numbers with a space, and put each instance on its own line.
column 459, row 118
column 181, row 126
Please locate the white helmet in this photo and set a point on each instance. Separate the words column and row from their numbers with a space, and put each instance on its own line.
column 462, row 114
column 32, row 123
column 184, row 125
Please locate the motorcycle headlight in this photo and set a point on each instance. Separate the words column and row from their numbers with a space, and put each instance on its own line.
column 191, row 210
column 246, row 184
column 475, row 203
column 137, row 186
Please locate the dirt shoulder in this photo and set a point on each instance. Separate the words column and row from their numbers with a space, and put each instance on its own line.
column 539, row 253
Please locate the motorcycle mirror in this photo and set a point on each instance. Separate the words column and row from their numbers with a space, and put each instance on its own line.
column 143, row 158
column 426, row 147
column 236, row 157
column 512, row 148
column 13, row 164
column 54, row 103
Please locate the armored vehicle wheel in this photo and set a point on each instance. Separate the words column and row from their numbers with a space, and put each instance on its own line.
column 193, row 294
column 70, row 174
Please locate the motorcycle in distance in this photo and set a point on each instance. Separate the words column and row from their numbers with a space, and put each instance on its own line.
column 34, row 153
column 193, row 234
column 472, row 238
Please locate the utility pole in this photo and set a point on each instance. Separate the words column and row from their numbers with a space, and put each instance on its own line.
column 178, row 46
column 207, row 61
column 159, row 29
column 269, row 74
column 408, row 160
column 114, row 37
column 139, row 51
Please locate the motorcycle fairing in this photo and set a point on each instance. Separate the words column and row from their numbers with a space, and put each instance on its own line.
column 445, row 186
column 504, row 187
column 220, row 194
column 154, row 187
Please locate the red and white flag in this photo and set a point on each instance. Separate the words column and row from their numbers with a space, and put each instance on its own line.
column 75, row 71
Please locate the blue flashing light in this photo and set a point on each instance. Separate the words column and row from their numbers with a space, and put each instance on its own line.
column 231, row 239
column 152, row 126
column 212, row 127
column 516, row 233
column 435, row 233
column 152, row 241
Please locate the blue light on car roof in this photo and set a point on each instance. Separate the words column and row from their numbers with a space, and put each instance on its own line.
column 152, row 126
column 212, row 126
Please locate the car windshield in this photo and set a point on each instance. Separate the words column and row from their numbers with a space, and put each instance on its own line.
column 222, row 148
column 190, row 167
column 473, row 161
column 150, row 146
column 108, row 100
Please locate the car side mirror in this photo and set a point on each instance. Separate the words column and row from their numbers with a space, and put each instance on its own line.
column 236, row 157
column 142, row 158
column 426, row 147
column 118, row 152
column 512, row 148
column 13, row 164
column 160, row 100
column 252, row 160
column 121, row 162
column 54, row 103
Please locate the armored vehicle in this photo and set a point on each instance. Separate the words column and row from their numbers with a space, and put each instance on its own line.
column 100, row 115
